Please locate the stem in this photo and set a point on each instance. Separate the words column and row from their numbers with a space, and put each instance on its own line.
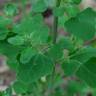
column 55, row 34
column 55, row 24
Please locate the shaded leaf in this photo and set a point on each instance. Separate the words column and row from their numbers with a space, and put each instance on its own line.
column 35, row 69
column 83, row 25
column 39, row 6
column 16, row 40
column 27, row 54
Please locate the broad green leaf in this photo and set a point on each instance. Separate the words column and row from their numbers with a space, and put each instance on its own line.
column 3, row 33
column 70, row 67
column 34, row 32
column 19, row 87
column 16, row 40
column 27, row 54
column 39, row 6
column 66, row 43
column 39, row 66
column 10, row 9
column 31, row 24
column 58, row 11
column 87, row 72
column 50, row 3
column 55, row 52
column 72, row 10
column 4, row 22
column 40, row 35
column 11, row 52
column 82, row 64
column 83, row 25
column 84, row 71
column 84, row 54
column 62, row 20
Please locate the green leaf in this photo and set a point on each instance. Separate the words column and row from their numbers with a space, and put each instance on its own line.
column 58, row 11
column 4, row 21
column 3, row 33
column 66, row 43
column 70, row 67
column 87, row 72
column 62, row 20
column 50, row 3
column 83, row 70
column 10, row 9
column 31, row 24
column 55, row 52
column 76, row 1
column 34, row 32
column 11, row 52
column 43, row 33
column 35, row 69
column 39, row 6
column 27, row 54
column 84, row 54
column 19, row 87
column 83, row 25
column 72, row 10
column 16, row 40
column 82, row 64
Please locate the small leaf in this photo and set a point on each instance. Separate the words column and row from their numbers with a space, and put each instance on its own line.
column 11, row 52
column 76, row 1
column 17, row 40
column 72, row 10
column 27, row 54
column 4, row 22
column 3, row 33
column 50, row 3
column 70, row 67
column 39, row 6
column 58, row 11
column 10, row 9
column 84, row 54
column 66, row 43
column 55, row 52
column 19, row 87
